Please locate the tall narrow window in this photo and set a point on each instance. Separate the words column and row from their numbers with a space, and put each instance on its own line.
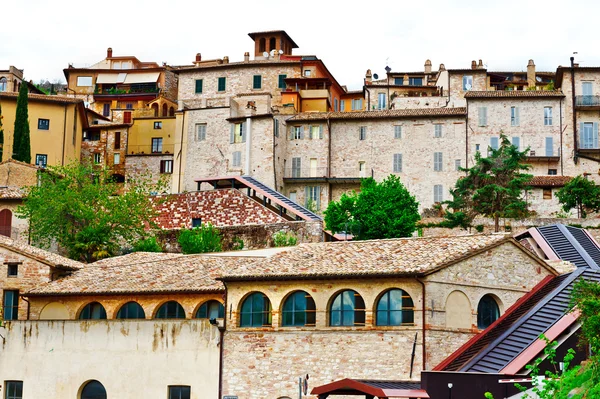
column 312, row 198
column 487, row 312
column 482, row 116
column 362, row 169
column 298, row 310
column 587, row 90
column 281, row 81
column 238, row 133
column 397, row 167
column 362, row 133
column 335, row 104
column 347, row 309
column 395, row 307
column 4, row 84
column 201, row 131
column 255, row 311
column 116, row 158
column 296, row 167
column 381, row 101
column 494, row 143
column 547, row 116
column 516, row 142
column 117, row 140
column 97, row 157
column 457, row 165
column 14, row 389
column 437, row 131
column 342, row 106
column 199, row 84
column 467, row 83
column 106, row 109
column 397, row 132
column 257, row 82
column 588, row 132
column 514, row 116
column 10, row 305
column 549, row 146
column 276, row 127
column 438, row 193
column 180, row 392
column 221, row 85
column 437, row 162
column 236, row 159
column 157, row 145
column 314, row 132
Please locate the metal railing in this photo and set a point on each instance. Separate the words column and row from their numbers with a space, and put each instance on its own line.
column 587, row 101
column 305, row 172
column 150, row 149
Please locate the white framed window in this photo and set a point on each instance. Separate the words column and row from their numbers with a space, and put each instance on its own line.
column 357, row 104
column 97, row 157
column 397, row 132
column 516, row 141
column 200, row 131
column 397, row 164
column 307, row 73
column 549, row 146
column 238, row 133
column 437, row 131
column 438, row 193
column 84, row 81
column 437, row 162
column 482, row 116
column 547, row 116
column 236, row 159
column 514, row 116
column 158, row 125
column 116, row 158
column 314, row 132
column 381, row 101
column 362, row 135
column 467, row 82
column 588, row 133
column 297, row 133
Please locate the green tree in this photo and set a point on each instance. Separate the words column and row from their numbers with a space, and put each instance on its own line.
column 581, row 194
column 21, row 142
column 493, row 187
column 84, row 211
column 149, row 244
column 380, row 210
column 199, row 240
column 1, row 135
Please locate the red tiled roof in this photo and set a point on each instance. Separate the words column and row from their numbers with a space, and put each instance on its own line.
column 514, row 93
column 44, row 98
column 391, row 113
column 549, row 181
column 7, row 193
column 41, row 255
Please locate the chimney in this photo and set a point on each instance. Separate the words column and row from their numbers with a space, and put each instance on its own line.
column 109, row 52
column 428, row 66
column 368, row 77
column 531, row 74
column 480, row 65
column 226, row 60
column 442, row 67
column 246, row 57
column 198, row 57
column 473, row 64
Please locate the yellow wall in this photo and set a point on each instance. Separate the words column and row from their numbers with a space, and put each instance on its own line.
column 142, row 132
column 314, row 105
column 62, row 142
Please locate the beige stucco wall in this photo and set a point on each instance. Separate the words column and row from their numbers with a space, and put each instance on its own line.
column 132, row 359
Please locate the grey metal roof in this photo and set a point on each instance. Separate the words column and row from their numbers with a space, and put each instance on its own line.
column 572, row 244
column 391, row 384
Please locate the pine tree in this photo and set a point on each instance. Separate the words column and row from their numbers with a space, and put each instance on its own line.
column 1, row 135
column 21, row 142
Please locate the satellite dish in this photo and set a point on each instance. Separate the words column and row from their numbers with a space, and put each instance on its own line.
column 265, row 54
column 273, row 52
column 376, row 76
column 280, row 51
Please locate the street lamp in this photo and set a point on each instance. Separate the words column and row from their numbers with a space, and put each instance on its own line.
column 450, row 390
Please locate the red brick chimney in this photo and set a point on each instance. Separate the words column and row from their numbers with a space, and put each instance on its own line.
column 198, row 57
column 109, row 52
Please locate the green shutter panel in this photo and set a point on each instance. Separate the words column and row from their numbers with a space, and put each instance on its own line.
column 243, row 129
column 199, row 86
column 320, row 131
column 301, row 132
column 232, row 133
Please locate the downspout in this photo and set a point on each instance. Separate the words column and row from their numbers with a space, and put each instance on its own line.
column 275, row 122
column 575, row 149
column 181, row 153
column 561, row 135
column 249, row 144
column 328, row 121
column 423, row 324
column 467, row 137
column 222, row 343
column 62, row 161
column 28, row 306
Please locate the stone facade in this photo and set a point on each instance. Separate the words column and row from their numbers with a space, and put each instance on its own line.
column 106, row 146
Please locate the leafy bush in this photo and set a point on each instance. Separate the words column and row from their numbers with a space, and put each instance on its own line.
column 199, row 240
column 238, row 244
column 147, row 245
column 283, row 239
column 479, row 228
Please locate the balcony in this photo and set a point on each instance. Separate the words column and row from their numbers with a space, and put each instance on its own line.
column 305, row 174
column 164, row 149
column 587, row 102
column 542, row 156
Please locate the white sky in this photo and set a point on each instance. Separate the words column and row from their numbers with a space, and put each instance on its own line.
column 43, row 37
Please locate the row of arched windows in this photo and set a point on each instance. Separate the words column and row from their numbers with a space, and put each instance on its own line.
column 169, row 310
column 394, row 308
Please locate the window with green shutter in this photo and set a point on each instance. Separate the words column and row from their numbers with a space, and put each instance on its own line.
column 257, row 82
column 198, row 86
column 282, row 84
column 222, row 82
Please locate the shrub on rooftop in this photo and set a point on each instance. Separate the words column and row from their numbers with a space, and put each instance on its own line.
column 199, row 240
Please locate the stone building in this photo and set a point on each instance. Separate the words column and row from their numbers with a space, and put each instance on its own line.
column 15, row 177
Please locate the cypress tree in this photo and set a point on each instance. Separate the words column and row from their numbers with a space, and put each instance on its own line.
column 21, row 143
column 1, row 135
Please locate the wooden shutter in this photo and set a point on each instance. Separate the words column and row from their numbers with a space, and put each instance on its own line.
column 581, row 140
column 162, row 166
column 320, row 131
column 482, row 116
column 517, row 116
column 549, row 146
column 198, row 85
column 232, row 133
column 397, row 132
column 301, row 132
column 257, row 82
column 243, row 129
column 318, row 195
column 397, row 163
column 5, row 222
column 306, row 195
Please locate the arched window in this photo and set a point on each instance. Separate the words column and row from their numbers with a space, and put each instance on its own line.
column 298, row 310
column 211, row 310
column 131, row 310
column 256, row 311
column 261, row 45
column 93, row 390
column 165, row 109
column 171, row 111
column 155, row 109
column 3, row 84
column 487, row 312
column 347, row 309
column 272, row 44
column 395, row 307
column 93, row 311
column 5, row 222
column 170, row 310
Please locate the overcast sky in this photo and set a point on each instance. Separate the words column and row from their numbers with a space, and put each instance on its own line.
column 43, row 37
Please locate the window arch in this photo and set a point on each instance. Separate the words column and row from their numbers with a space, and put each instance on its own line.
column 171, row 111
column 3, row 84
column 93, row 390
column 395, row 308
column 165, row 110
column 272, row 44
column 131, row 310
column 298, row 310
column 487, row 312
column 155, row 109
column 261, row 44
column 170, row 310
column 459, row 312
column 347, row 309
column 210, row 310
column 256, row 311
column 92, row 311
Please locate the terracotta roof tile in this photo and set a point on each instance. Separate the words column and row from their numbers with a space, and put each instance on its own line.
column 549, row 181
column 45, row 98
column 10, row 160
column 41, row 255
column 392, row 113
column 401, row 256
column 7, row 193
column 514, row 93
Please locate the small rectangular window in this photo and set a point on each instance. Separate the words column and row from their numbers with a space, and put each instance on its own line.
column 437, row 162
column 237, row 159
column 547, row 193
column 14, row 389
column 97, row 157
column 547, row 116
column 363, row 133
column 157, row 145
column 297, row 133
column 222, row 84
column 129, row 106
column 514, row 116
column 13, row 269
column 552, row 172
column 457, row 165
column 467, row 83
column 41, row 160
column 158, row 125
column 437, row 131
column 482, row 116
column 516, row 142
column 477, row 147
column 201, row 131
column 381, row 101
column 166, row 166
column 43, row 124
column 415, row 81
column 307, row 73
column 117, row 140
column 494, row 143
column 106, row 109
column 84, row 81
column 257, row 82
column 397, row 132
column 438, row 193
column 399, row 81
column 116, row 158
column 10, row 305
column 196, row 222
column 179, row 392
column 342, row 106
column 397, row 167
column 199, row 84
column 281, row 81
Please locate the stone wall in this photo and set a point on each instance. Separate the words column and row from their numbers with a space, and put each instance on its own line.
column 148, row 164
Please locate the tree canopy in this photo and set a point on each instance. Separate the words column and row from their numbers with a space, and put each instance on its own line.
column 581, row 194
column 21, row 143
column 380, row 210
column 493, row 187
column 83, row 210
